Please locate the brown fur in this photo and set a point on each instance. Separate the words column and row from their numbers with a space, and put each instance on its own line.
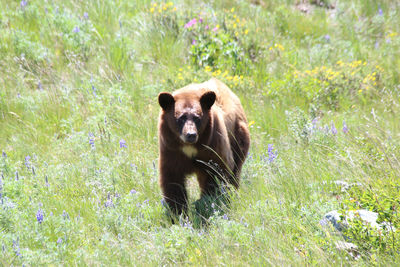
column 207, row 132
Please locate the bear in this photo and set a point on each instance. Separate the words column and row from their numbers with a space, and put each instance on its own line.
column 202, row 130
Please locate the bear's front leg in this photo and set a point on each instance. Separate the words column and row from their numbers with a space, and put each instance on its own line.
column 174, row 191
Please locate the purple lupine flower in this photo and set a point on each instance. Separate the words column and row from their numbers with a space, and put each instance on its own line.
column 27, row 161
column 122, row 143
column 271, row 154
column 23, row 4
column 16, row 176
column 345, row 128
column 225, row 217
column 190, row 23
column 193, row 41
column 333, row 129
column 380, row 11
column 314, row 123
column 65, row 215
column 85, row 15
column 108, row 203
column 39, row 215
column 91, row 140
column 94, row 90
column 16, row 248
column 76, row 29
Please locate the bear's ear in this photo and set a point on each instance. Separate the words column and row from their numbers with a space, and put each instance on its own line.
column 166, row 100
column 207, row 100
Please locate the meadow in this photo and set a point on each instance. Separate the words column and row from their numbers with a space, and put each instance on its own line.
column 319, row 81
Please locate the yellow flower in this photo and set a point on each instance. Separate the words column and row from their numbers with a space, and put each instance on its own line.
column 170, row 4
column 152, row 9
column 251, row 123
column 246, row 31
column 233, row 9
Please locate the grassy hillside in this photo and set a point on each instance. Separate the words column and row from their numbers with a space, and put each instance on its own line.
column 319, row 81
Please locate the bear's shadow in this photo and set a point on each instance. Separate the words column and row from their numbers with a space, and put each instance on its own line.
column 199, row 212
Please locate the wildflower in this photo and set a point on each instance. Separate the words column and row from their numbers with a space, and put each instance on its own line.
column 380, row 12
column 40, row 87
column 27, row 161
column 133, row 191
column 345, row 128
column 76, row 29
column 108, row 203
column 327, row 37
column 85, row 15
column 200, row 20
column 16, row 176
column 190, row 23
column 4, row 154
column 333, row 129
column 65, row 215
column 16, row 248
column 91, row 140
column 215, row 28
column 23, row 4
column 122, row 143
column 39, row 215
column 193, row 41
column 59, row 241
column 271, row 154
column 207, row 27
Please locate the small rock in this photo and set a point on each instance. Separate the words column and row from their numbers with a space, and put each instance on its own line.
column 333, row 217
column 343, row 245
column 349, row 247
column 366, row 216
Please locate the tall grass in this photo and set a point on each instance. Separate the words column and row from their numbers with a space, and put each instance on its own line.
column 79, row 79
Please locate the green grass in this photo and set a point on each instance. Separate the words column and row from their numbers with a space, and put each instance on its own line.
column 68, row 79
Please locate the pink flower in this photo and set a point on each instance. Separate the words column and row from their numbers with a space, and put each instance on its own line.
column 190, row 23
column 215, row 29
column 207, row 27
column 194, row 42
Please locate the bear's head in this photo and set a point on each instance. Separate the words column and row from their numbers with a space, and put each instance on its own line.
column 187, row 114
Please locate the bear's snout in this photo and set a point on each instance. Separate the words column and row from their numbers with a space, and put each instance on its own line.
column 189, row 133
column 191, row 138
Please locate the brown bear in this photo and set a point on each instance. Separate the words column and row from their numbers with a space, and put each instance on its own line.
column 202, row 130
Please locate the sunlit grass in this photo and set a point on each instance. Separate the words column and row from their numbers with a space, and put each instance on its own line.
column 78, row 77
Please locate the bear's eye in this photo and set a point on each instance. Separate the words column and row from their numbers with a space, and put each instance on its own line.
column 196, row 119
column 181, row 120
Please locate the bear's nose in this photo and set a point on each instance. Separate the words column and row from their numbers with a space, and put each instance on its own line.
column 191, row 137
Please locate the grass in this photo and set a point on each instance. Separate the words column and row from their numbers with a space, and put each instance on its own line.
column 77, row 78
